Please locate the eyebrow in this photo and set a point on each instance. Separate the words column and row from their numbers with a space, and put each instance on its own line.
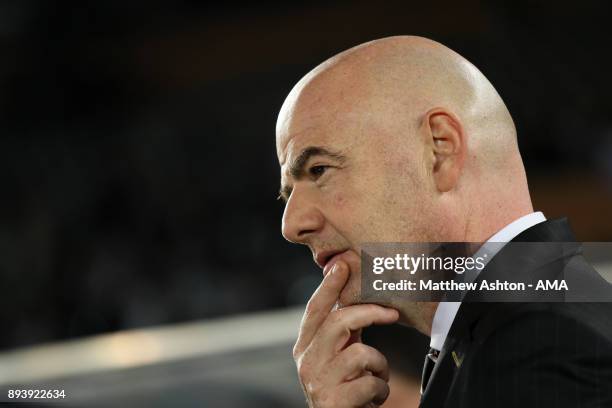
column 297, row 165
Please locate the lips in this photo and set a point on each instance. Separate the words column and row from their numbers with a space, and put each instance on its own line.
column 326, row 259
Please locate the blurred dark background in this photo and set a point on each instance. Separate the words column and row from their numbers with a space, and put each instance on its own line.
column 138, row 167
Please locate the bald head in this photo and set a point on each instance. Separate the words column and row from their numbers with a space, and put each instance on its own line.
column 396, row 140
column 399, row 79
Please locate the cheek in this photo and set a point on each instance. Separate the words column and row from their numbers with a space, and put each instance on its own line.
column 340, row 201
column 343, row 211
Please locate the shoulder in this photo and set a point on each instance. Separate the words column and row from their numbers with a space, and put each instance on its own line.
column 542, row 355
column 554, row 322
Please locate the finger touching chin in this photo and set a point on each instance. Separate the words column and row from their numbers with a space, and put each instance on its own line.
column 351, row 294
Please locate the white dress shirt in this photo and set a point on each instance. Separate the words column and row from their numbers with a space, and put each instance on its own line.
column 446, row 311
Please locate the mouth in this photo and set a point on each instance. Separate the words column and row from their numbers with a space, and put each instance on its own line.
column 323, row 259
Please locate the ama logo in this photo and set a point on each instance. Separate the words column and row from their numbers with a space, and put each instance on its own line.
column 551, row 285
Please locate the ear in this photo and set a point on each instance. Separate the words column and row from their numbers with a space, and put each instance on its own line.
column 448, row 143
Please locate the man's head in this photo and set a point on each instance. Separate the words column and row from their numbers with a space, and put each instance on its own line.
column 396, row 140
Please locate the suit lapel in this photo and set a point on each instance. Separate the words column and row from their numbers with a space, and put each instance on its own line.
column 441, row 376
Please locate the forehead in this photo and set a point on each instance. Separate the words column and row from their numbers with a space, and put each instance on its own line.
column 319, row 117
column 318, row 128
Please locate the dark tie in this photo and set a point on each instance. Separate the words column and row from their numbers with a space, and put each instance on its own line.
column 430, row 361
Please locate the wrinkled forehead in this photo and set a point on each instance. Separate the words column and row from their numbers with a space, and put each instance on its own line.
column 304, row 128
column 333, row 130
column 323, row 113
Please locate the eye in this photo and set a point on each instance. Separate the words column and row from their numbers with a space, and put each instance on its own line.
column 317, row 171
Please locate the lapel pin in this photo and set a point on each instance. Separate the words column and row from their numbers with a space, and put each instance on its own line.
column 458, row 360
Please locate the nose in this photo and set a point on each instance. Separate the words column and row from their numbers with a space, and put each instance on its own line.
column 301, row 218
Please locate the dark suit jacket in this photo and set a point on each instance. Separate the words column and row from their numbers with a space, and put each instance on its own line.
column 537, row 354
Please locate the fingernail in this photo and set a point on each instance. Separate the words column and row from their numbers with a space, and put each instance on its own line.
column 334, row 269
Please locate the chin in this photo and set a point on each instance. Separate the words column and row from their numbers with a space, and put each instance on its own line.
column 349, row 297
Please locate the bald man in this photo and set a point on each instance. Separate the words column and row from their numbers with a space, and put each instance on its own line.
column 404, row 140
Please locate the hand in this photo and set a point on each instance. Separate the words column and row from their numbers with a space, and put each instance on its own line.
column 335, row 368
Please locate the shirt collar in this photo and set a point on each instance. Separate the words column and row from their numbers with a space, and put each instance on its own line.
column 446, row 311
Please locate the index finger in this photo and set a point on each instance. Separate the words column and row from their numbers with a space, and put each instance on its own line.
column 320, row 304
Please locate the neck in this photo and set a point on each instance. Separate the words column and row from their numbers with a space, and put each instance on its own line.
column 477, row 236
column 480, row 229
